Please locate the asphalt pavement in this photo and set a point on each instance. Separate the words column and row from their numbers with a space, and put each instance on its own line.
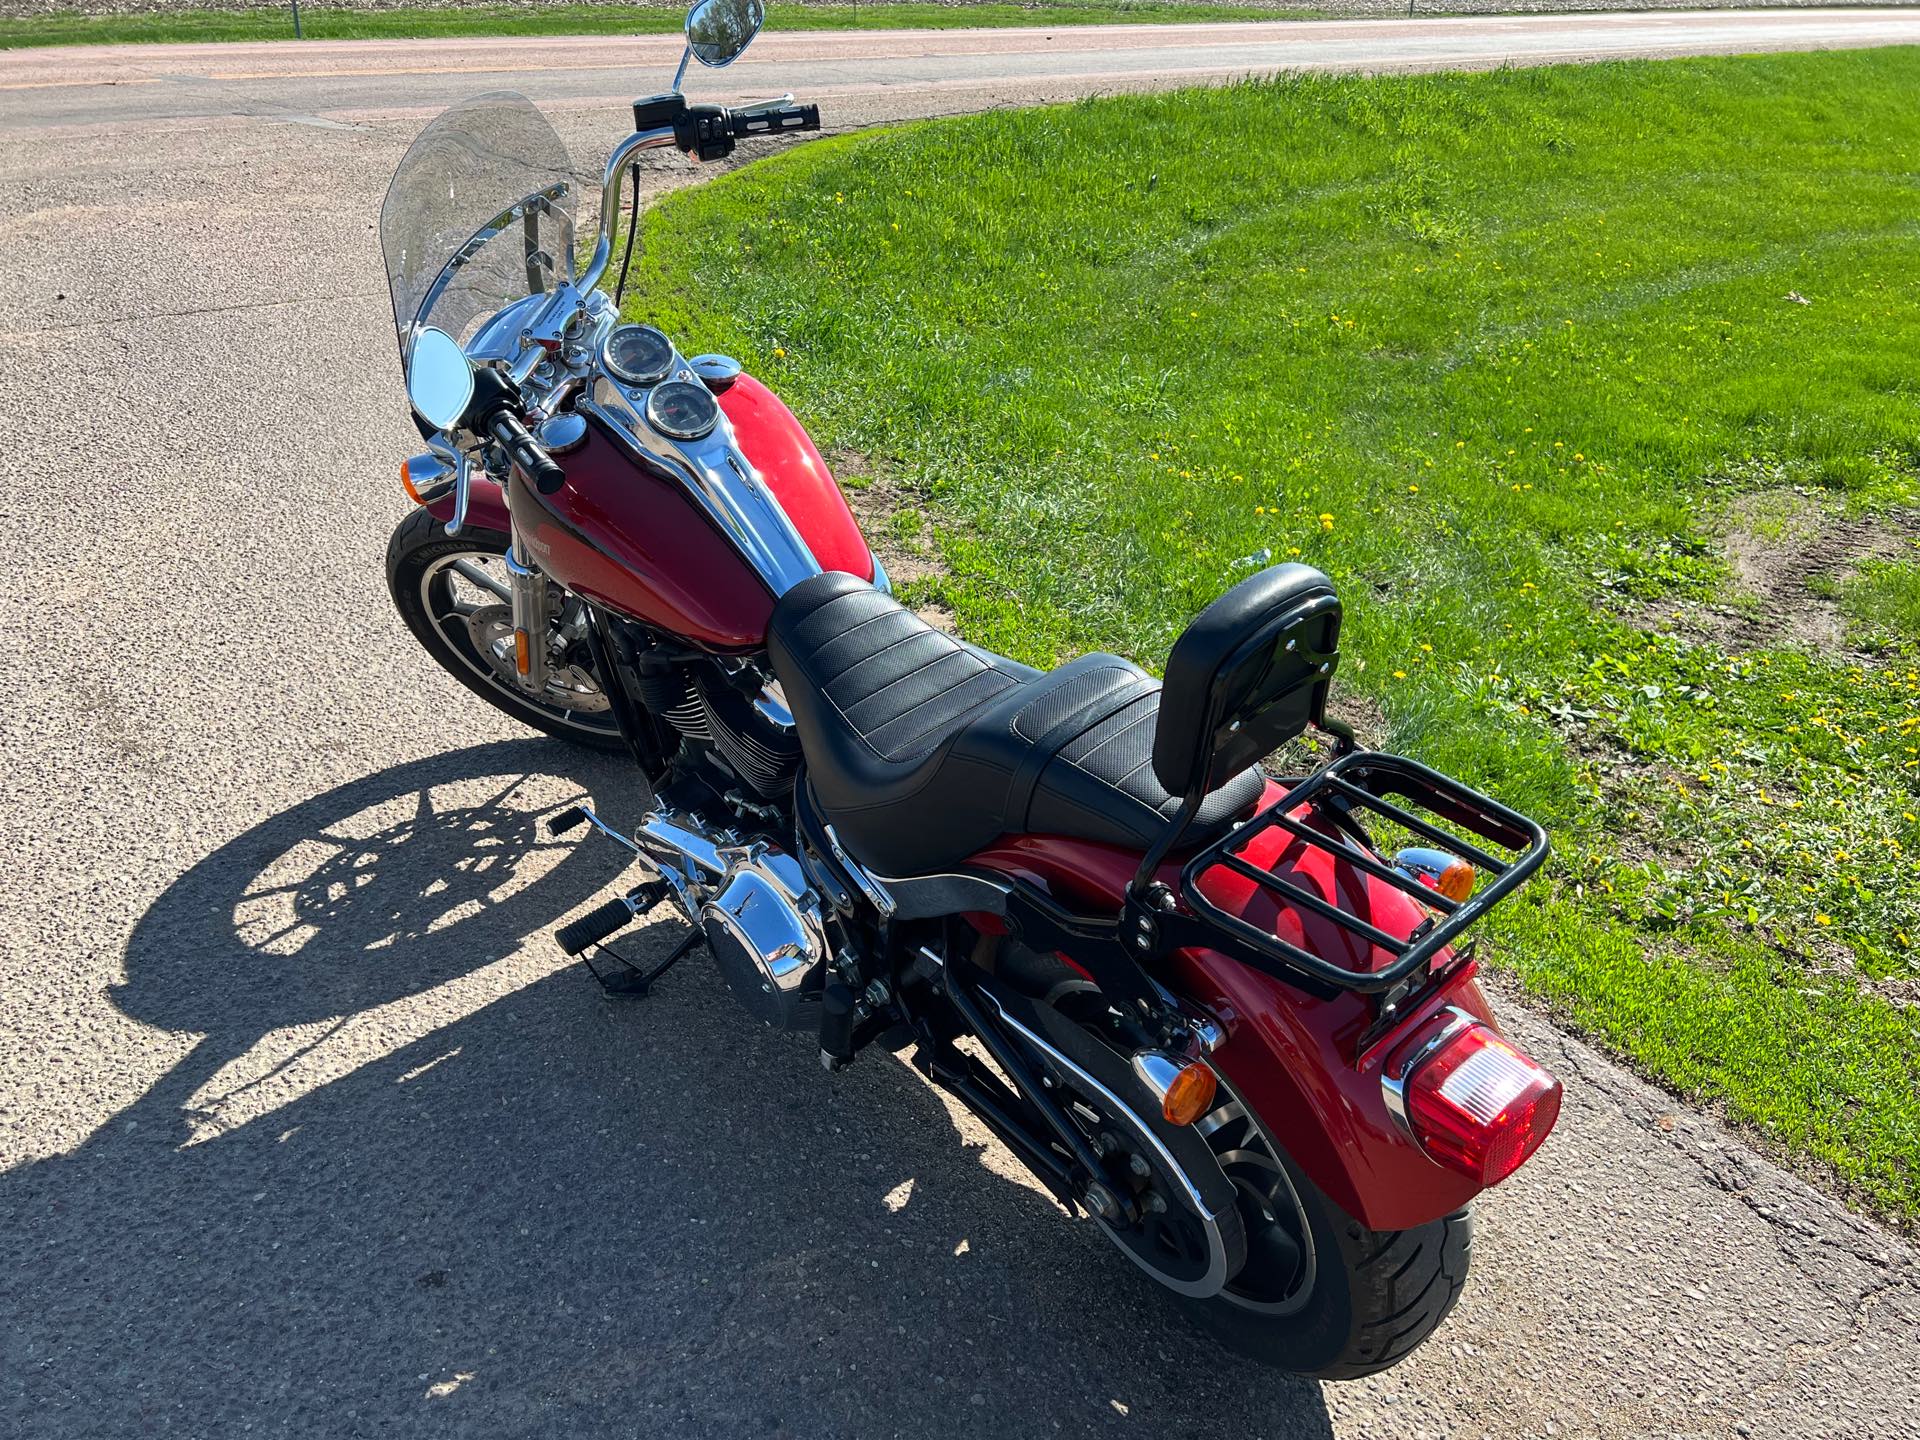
column 306, row 1126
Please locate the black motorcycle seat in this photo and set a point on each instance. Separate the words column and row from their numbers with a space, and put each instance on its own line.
column 922, row 750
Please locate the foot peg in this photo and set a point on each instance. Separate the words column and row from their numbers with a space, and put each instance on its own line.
column 571, row 818
column 596, row 925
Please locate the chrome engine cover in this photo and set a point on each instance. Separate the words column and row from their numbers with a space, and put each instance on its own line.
column 764, row 927
column 762, row 920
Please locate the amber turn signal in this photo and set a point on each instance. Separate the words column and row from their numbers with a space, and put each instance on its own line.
column 1446, row 873
column 406, row 482
column 1190, row 1096
column 1456, row 881
column 1184, row 1088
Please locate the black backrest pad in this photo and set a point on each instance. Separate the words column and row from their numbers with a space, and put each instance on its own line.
column 1249, row 674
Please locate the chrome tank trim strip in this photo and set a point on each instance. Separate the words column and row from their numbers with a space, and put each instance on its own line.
column 724, row 483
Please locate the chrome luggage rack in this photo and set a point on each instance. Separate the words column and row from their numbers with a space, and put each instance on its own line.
column 1342, row 793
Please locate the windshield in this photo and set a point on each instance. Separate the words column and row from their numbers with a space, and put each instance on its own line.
column 479, row 215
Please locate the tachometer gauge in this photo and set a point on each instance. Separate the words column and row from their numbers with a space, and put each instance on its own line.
column 638, row 354
column 682, row 410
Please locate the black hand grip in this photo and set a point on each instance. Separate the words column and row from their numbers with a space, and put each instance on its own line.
column 594, row 926
column 772, row 122
column 526, row 452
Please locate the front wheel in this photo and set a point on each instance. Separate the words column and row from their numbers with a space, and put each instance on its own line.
column 453, row 594
column 1321, row 1294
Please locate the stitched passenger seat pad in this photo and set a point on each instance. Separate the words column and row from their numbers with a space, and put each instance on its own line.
column 922, row 750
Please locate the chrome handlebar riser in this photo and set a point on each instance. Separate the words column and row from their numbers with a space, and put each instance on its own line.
column 610, row 186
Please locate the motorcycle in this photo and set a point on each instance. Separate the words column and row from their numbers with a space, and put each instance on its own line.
column 1221, row 1013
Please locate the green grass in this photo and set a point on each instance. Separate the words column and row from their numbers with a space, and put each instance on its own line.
column 1883, row 600
column 72, row 28
column 1504, row 354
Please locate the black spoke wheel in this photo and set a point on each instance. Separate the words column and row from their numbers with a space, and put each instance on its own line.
column 1308, row 1288
column 452, row 593
column 1161, row 1226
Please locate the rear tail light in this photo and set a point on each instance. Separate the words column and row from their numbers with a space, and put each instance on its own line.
column 1470, row 1099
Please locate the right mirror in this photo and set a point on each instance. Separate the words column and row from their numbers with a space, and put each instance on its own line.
column 439, row 378
column 718, row 31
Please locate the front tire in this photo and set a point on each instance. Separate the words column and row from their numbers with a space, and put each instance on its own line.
column 448, row 613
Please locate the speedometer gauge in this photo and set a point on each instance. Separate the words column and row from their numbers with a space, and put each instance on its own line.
column 682, row 410
column 638, row 354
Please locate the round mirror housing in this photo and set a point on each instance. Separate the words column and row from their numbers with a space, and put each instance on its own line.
column 439, row 378
column 719, row 31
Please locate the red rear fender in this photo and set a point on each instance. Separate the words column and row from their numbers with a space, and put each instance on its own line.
column 1291, row 1055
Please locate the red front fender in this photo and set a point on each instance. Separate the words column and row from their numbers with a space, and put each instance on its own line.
column 486, row 505
column 1291, row 1055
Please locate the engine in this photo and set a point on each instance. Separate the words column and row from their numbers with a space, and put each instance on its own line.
column 763, row 925
column 752, row 733
column 750, row 897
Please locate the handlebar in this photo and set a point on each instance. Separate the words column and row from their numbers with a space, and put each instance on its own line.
column 744, row 123
column 707, row 132
column 525, row 451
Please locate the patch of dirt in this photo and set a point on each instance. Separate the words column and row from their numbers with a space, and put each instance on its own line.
column 1783, row 546
column 896, row 528
column 1900, row 991
column 1368, row 720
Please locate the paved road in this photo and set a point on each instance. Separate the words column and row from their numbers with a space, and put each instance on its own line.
column 329, row 82
column 305, row 1127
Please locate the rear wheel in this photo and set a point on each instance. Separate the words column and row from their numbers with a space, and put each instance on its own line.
column 1317, row 1293
column 1320, row 1293
column 452, row 593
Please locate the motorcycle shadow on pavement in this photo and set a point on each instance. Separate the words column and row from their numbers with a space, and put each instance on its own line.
column 419, row 1177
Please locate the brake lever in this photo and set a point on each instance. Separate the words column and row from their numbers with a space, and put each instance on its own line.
column 760, row 107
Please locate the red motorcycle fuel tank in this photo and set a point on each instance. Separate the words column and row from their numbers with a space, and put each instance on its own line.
column 629, row 538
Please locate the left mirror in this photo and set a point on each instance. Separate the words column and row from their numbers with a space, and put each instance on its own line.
column 439, row 379
column 718, row 31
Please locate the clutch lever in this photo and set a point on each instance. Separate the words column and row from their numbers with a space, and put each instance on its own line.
column 462, row 480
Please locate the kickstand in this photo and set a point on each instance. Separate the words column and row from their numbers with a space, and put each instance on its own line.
column 630, row 981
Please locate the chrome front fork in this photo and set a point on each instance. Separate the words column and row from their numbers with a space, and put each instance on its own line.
column 531, row 617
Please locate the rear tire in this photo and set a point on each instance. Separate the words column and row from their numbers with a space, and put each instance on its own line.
column 1320, row 1294
column 1375, row 1295
column 417, row 558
